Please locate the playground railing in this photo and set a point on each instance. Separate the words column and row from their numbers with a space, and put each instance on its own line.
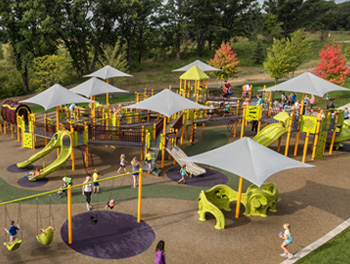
column 100, row 133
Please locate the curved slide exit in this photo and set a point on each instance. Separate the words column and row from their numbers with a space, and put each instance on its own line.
column 270, row 134
column 344, row 135
column 61, row 139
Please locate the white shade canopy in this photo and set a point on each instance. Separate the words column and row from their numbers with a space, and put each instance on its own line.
column 307, row 83
column 108, row 72
column 247, row 159
column 95, row 86
column 54, row 96
column 201, row 65
column 167, row 103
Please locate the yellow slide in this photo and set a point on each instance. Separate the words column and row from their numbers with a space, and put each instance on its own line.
column 61, row 139
column 273, row 132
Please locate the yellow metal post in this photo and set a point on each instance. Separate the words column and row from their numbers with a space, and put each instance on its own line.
column 289, row 134
column 334, row 132
column 163, row 148
column 69, row 206
column 243, row 122
column 142, row 141
column 139, row 204
column 305, row 146
column 73, row 153
column 238, row 205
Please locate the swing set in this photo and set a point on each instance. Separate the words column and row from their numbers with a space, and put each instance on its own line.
column 46, row 235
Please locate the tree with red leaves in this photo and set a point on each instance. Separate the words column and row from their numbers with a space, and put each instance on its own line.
column 332, row 65
column 226, row 60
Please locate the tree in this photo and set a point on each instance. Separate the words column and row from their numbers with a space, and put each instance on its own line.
column 332, row 65
column 30, row 29
column 50, row 69
column 73, row 25
column 272, row 28
column 278, row 62
column 115, row 56
column 299, row 47
column 259, row 53
column 225, row 59
column 173, row 32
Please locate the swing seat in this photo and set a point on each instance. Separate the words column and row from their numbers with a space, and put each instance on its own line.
column 46, row 237
column 13, row 246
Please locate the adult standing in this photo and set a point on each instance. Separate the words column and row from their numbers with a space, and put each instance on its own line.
column 87, row 191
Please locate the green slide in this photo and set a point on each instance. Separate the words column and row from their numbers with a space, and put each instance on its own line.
column 270, row 134
column 343, row 135
column 61, row 139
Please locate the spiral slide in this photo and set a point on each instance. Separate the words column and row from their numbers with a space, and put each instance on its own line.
column 270, row 134
column 62, row 140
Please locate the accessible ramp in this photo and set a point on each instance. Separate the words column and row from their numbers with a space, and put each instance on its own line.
column 62, row 140
column 178, row 154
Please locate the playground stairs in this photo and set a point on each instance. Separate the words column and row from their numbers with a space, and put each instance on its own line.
column 191, row 167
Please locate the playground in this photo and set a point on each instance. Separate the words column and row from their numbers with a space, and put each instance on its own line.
column 311, row 199
column 306, row 198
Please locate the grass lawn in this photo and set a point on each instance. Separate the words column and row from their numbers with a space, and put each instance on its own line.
column 334, row 251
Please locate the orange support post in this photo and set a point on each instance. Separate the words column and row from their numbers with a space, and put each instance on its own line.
column 306, row 142
column 69, row 206
column 139, row 203
column 289, row 134
column 238, row 205
column 334, row 133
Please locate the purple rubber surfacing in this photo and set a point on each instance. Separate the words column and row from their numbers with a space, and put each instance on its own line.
column 32, row 184
column 13, row 168
column 210, row 179
column 115, row 236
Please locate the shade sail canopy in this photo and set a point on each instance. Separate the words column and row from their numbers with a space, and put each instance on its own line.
column 108, row 72
column 201, row 65
column 194, row 74
column 248, row 159
column 94, row 87
column 167, row 103
column 54, row 96
column 307, row 83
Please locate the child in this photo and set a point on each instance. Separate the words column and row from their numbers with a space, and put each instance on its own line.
column 12, row 231
column 211, row 111
column 149, row 159
column 287, row 240
column 110, row 204
column 87, row 191
column 183, row 173
column 66, row 181
column 246, row 102
column 346, row 113
column 54, row 141
column 160, row 257
column 122, row 163
column 312, row 101
column 32, row 173
column 227, row 109
column 95, row 175
column 135, row 168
